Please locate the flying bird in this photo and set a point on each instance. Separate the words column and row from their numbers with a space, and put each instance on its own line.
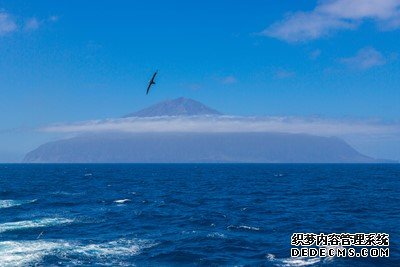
column 151, row 82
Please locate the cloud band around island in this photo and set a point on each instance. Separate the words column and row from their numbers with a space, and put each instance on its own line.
column 315, row 126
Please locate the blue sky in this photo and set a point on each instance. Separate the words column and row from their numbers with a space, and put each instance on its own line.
column 68, row 61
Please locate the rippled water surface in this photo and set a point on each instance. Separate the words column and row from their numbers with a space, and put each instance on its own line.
column 167, row 215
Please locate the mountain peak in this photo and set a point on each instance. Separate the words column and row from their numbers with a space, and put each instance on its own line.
column 176, row 107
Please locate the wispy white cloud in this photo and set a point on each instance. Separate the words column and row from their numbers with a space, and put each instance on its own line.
column 382, row 10
column 317, row 126
column 315, row 54
column 303, row 26
column 194, row 86
column 283, row 74
column 229, row 80
column 334, row 15
column 7, row 23
column 53, row 18
column 31, row 24
column 365, row 58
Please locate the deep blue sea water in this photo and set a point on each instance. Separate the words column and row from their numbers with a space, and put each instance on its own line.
column 174, row 215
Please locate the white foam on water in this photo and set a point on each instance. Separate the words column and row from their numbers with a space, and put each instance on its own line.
column 244, row 227
column 216, row 235
column 295, row 262
column 184, row 232
column 39, row 223
column 249, row 228
column 8, row 203
column 64, row 193
column 121, row 247
column 122, row 201
column 19, row 253
column 300, row 261
column 23, row 253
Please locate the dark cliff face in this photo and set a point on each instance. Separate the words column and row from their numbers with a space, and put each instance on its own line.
column 197, row 147
column 176, row 107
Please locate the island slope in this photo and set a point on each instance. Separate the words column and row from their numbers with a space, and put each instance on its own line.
column 197, row 147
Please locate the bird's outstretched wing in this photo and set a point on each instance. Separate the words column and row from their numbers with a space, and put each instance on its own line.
column 148, row 88
column 151, row 82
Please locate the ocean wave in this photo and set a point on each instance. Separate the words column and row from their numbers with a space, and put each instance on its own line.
column 122, row 201
column 39, row 223
column 243, row 227
column 296, row 262
column 22, row 253
column 8, row 203
column 64, row 193
column 216, row 235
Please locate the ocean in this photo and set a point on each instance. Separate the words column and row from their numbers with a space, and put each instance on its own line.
column 191, row 214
